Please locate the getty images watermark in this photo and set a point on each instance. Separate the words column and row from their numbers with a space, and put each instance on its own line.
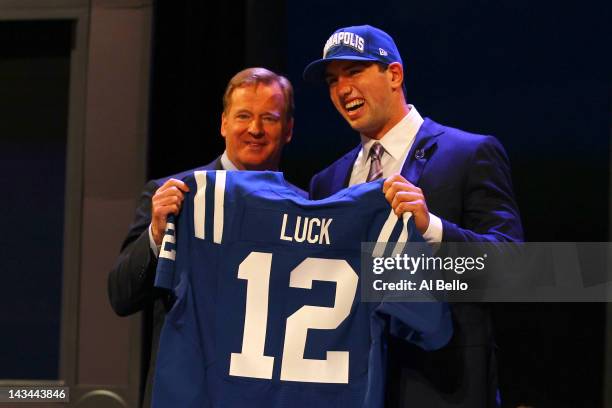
column 487, row 272
column 422, row 263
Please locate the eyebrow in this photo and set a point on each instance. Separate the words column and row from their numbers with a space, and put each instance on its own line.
column 270, row 113
column 266, row 113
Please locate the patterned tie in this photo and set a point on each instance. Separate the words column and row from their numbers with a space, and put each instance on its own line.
column 376, row 152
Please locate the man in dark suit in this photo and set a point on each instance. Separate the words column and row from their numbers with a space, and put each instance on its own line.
column 456, row 184
column 257, row 122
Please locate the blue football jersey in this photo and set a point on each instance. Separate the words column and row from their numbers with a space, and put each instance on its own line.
column 268, row 310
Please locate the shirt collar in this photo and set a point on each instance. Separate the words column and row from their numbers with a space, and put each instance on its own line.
column 226, row 163
column 398, row 137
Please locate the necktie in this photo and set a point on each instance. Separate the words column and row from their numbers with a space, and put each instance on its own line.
column 376, row 152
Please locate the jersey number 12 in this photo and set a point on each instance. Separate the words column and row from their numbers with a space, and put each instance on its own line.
column 251, row 361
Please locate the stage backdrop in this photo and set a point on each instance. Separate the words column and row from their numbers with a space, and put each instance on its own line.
column 537, row 75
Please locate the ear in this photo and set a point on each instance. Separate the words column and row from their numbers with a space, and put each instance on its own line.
column 223, row 124
column 289, row 130
column 396, row 74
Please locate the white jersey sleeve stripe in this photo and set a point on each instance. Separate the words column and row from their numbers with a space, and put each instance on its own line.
column 219, row 201
column 385, row 233
column 403, row 238
column 171, row 238
column 199, row 205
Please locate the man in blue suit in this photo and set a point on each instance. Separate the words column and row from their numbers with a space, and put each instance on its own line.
column 257, row 122
column 456, row 184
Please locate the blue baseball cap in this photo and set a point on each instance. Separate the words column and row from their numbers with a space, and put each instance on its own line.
column 357, row 43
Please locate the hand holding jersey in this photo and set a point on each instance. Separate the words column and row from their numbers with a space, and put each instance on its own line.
column 269, row 303
column 166, row 200
column 406, row 197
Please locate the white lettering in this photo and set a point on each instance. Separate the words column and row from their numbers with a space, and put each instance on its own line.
column 402, row 285
column 312, row 230
column 352, row 41
column 344, row 38
column 325, row 231
column 455, row 285
column 377, row 268
column 283, row 236
column 426, row 285
column 415, row 264
column 311, row 239
column 360, row 43
column 297, row 237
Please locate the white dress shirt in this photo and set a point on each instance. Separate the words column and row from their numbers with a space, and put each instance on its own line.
column 396, row 144
column 226, row 163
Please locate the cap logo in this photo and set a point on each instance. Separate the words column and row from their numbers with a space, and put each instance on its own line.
column 344, row 38
column 382, row 52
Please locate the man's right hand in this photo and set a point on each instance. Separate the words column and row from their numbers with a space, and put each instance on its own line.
column 166, row 200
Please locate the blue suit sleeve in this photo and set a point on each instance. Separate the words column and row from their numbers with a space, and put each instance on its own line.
column 490, row 213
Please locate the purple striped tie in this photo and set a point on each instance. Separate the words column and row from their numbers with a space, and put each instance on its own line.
column 376, row 152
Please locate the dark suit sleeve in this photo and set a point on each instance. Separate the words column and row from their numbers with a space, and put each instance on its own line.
column 490, row 213
column 130, row 282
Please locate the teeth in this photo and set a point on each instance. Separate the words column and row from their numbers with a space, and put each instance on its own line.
column 354, row 103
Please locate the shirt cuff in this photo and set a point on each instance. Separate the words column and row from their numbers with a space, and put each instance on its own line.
column 154, row 248
column 433, row 235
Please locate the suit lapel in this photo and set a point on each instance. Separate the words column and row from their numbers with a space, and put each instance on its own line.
column 342, row 175
column 422, row 149
column 216, row 165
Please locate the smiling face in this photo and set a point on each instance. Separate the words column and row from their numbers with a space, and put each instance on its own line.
column 255, row 127
column 367, row 95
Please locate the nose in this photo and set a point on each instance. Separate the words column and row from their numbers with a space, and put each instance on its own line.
column 344, row 87
column 256, row 128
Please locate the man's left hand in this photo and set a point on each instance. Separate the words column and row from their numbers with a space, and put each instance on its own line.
column 406, row 197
